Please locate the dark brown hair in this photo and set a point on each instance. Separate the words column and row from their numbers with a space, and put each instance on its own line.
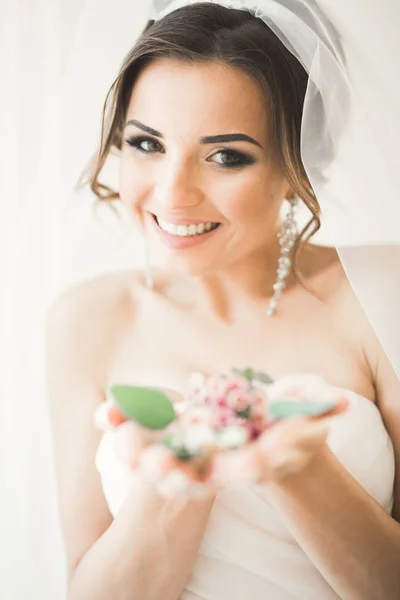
column 208, row 32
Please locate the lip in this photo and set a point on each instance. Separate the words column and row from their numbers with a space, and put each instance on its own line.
column 180, row 243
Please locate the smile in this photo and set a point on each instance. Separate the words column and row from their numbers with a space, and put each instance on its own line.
column 186, row 230
column 181, row 236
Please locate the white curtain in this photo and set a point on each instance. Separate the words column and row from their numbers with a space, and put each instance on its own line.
column 49, row 127
column 51, row 98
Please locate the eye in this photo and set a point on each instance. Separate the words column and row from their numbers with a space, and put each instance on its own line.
column 144, row 144
column 232, row 158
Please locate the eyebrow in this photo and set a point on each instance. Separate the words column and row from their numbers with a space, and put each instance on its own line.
column 209, row 139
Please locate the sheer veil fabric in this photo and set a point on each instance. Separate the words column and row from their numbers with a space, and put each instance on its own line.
column 59, row 62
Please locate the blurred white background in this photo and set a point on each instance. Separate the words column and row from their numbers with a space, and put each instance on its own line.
column 49, row 127
column 50, row 105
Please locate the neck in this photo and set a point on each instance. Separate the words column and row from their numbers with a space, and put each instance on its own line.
column 246, row 286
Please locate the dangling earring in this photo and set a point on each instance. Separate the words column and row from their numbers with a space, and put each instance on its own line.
column 287, row 238
column 149, row 276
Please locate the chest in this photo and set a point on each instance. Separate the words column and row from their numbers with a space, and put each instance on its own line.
column 163, row 345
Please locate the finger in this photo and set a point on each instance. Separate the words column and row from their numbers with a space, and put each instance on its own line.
column 183, row 478
column 242, row 465
column 107, row 416
column 202, row 490
column 282, row 464
column 292, row 433
column 156, row 461
column 340, row 407
column 313, row 435
column 129, row 443
column 280, row 434
column 172, row 484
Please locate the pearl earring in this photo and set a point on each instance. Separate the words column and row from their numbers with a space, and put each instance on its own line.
column 287, row 238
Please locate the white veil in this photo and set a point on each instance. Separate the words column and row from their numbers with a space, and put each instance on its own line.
column 58, row 69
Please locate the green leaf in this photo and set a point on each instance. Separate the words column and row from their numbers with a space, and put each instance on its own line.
column 287, row 408
column 249, row 374
column 148, row 407
column 168, row 441
column 244, row 414
column 231, row 437
column 263, row 377
column 173, row 443
column 182, row 453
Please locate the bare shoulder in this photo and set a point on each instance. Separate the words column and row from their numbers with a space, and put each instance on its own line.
column 98, row 295
column 88, row 299
column 348, row 308
column 83, row 327
column 96, row 309
column 328, row 278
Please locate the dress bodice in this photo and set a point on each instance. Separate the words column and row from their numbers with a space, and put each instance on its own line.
column 247, row 551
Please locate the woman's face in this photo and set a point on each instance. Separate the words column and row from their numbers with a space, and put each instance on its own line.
column 196, row 152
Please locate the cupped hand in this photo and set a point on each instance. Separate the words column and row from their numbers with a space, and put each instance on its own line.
column 138, row 448
column 282, row 450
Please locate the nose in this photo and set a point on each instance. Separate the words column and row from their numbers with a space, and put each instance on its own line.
column 178, row 187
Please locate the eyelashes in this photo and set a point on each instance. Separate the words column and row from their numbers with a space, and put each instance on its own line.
column 136, row 142
column 231, row 158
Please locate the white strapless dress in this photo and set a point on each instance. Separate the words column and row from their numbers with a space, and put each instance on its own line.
column 247, row 551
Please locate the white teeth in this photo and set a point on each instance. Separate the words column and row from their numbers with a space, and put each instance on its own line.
column 182, row 230
column 186, row 230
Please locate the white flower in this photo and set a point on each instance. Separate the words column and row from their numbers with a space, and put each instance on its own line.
column 195, row 416
column 198, row 436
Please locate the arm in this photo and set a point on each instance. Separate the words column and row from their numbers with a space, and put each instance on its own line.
column 353, row 542
column 148, row 550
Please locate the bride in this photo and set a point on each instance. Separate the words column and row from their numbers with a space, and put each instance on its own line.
column 207, row 115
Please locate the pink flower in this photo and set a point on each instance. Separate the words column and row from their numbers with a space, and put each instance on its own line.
column 224, row 417
column 239, row 399
column 216, row 387
column 234, row 381
column 256, row 428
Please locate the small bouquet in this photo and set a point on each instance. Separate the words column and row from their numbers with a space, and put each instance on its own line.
column 219, row 413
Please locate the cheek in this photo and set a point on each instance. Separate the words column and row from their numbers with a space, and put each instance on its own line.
column 133, row 185
column 251, row 201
